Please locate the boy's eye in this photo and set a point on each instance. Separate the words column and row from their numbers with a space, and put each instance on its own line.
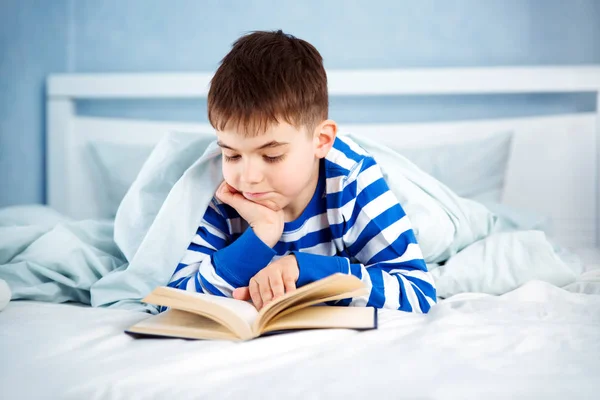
column 230, row 158
column 273, row 159
column 266, row 158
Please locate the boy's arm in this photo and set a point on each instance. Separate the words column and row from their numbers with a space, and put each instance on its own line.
column 379, row 238
column 212, row 262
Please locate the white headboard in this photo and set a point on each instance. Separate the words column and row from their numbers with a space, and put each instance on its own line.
column 562, row 180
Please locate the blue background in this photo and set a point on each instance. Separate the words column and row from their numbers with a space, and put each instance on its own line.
column 67, row 36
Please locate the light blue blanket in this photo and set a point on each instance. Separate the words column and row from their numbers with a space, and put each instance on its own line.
column 47, row 257
column 54, row 259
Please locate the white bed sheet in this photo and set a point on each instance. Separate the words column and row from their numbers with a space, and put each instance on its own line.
column 538, row 341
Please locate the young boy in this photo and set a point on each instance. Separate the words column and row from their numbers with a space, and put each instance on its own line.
column 297, row 203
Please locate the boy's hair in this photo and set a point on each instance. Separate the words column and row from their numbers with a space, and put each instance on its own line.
column 266, row 78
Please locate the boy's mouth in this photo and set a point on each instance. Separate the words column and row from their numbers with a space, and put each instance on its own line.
column 254, row 195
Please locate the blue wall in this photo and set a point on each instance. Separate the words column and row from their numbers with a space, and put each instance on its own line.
column 33, row 43
column 39, row 38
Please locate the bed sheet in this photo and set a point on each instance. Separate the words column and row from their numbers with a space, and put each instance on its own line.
column 538, row 341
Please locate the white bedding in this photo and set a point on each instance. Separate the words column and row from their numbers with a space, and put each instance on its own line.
column 538, row 341
column 532, row 341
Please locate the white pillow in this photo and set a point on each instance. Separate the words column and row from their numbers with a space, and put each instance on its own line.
column 474, row 168
column 31, row 215
column 444, row 223
column 116, row 165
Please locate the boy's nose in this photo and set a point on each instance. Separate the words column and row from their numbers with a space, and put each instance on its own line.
column 251, row 175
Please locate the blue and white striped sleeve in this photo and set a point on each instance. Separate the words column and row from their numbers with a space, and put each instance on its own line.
column 382, row 246
column 213, row 263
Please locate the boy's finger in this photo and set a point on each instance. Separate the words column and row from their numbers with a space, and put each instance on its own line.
column 289, row 281
column 276, row 283
column 242, row 293
column 289, row 284
column 265, row 291
column 223, row 189
column 229, row 195
column 270, row 204
column 223, row 195
column 255, row 293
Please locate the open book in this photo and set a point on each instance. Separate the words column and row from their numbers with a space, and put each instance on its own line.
column 201, row 316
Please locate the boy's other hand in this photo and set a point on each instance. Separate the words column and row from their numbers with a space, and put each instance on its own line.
column 265, row 218
column 271, row 282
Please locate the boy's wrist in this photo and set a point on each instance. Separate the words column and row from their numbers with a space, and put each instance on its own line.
column 312, row 267
column 268, row 233
column 235, row 260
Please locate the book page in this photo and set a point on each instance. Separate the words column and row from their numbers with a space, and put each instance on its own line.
column 245, row 310
column 310, row 301
column 336, row 286
column 237, row 315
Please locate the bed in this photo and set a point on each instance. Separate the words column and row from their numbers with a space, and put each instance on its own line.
column 535, row 337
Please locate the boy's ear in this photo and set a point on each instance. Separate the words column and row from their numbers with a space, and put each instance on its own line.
column 324, row 136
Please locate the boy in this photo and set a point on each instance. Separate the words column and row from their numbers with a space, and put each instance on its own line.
column 297, row 203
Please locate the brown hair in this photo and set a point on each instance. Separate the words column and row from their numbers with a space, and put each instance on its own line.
column 268, row 77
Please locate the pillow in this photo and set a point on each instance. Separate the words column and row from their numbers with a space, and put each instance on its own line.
column 512, row 218
column 474, row 168
column 31, row 215
column 116, row 165
column 443, row 222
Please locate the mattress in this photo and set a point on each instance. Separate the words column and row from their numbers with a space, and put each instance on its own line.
column 538, row 341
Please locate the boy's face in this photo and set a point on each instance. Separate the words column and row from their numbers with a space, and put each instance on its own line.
column 280, row 165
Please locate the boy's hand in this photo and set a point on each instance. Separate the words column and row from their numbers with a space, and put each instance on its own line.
column 265, row 218
column 271, row 282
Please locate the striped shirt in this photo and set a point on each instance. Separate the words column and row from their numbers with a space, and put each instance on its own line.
column 353, row 224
